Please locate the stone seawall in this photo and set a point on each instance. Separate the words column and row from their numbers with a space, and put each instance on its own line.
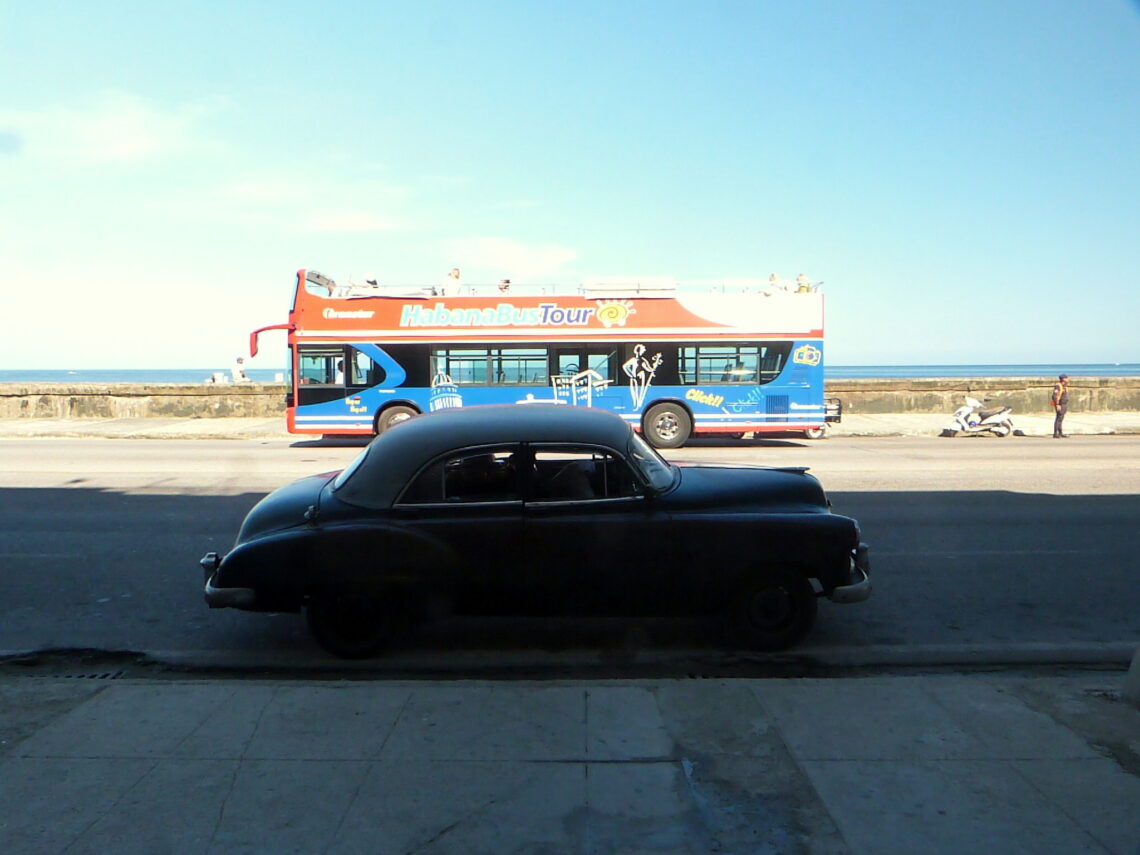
column 140, row 400
column 1024, row 394
column 257, row 400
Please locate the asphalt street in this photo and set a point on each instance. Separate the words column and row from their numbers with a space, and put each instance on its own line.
column 1003, row 551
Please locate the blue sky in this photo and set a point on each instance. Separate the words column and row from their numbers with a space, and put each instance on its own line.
column 965, row 177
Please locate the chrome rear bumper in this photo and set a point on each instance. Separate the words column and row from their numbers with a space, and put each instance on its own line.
column 223, row 598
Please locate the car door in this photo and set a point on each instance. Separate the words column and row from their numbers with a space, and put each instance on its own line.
column 595, row 542
column 467, row 505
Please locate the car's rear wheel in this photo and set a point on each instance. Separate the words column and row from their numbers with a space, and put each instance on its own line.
column 667, row 426
column 352, row 625
column 774, row 609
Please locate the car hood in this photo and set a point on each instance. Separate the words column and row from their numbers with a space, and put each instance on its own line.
column 284, row 508
column 752, row 488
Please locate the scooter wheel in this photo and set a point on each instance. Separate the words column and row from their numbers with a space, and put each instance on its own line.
column 948, row 432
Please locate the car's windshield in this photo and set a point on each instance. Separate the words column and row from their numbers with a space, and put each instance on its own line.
column 346, row 473
column 653, row 467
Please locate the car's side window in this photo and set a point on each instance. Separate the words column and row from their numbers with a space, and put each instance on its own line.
column 467, row 477
column 576, row 473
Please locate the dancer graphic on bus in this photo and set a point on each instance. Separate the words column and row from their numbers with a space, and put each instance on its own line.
column 640, row 371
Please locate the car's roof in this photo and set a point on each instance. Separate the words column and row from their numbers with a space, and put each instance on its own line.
column 398, row 453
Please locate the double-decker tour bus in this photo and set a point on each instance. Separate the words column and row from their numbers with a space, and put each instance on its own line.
column 673, row 361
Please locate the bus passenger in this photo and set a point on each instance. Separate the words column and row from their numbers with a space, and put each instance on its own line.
column 451, row 283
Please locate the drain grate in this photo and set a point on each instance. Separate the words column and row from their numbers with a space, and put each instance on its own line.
column 93, row 675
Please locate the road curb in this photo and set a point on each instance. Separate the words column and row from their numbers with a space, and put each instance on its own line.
column 542, row 664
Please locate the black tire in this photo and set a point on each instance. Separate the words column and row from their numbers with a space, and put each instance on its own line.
column 351, row 625
column 667, row 426
column 1003, row 430
column 393, row 416
column 816, row 433
column 773, row 610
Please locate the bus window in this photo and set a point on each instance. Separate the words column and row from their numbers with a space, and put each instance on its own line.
column 571, row 362
column 321, row 366
column 363, row 371
column 602, row 363
column 733, row 363
column 493, row 366
column 772, row 360
column 520, row 366
column 465, row 366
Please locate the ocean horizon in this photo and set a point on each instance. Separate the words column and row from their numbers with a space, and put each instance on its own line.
column 161, row 376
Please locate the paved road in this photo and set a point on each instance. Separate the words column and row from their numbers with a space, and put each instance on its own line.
column 1012, row 550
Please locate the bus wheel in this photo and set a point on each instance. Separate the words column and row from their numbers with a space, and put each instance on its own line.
column 393, row 416
column 667, row 426
column 816, row 433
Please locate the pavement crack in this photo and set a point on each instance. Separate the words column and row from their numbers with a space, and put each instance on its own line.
column 237, row 770
column 448, row 829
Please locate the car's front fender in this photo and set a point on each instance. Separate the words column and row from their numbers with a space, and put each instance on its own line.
column 284, row 567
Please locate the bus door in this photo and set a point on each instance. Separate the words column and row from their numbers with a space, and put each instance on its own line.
column 333, row 372
column 320, row 374
column 582, row 373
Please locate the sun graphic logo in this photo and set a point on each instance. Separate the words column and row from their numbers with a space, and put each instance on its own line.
column 614, row 313
column 807, row 355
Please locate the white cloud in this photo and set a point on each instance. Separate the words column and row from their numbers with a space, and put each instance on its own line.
column 510, row 258
column 111, row 127
column 293, row 202
column 513, row 205
column 348, row 221
column 132, row 317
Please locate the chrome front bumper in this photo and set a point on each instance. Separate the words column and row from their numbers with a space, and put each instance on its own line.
column 860, row 570
column 223, row 598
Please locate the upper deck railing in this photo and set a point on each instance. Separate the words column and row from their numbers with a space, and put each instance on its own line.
column 596, row 287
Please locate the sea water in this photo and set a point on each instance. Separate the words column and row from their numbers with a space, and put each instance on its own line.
column 161, row 376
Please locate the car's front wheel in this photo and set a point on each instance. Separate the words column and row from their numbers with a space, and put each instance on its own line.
column 773, row 610
column 351, row 625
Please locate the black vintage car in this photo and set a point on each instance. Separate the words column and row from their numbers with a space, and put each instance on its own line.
column 538, row 510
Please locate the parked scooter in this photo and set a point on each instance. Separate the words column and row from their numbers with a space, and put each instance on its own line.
column 973, row 417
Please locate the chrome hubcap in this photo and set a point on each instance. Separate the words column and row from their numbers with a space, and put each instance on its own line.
column 667, row 426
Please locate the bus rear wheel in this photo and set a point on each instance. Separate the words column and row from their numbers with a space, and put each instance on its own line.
column 667, row 426
column 816, row 433
column 393, row 416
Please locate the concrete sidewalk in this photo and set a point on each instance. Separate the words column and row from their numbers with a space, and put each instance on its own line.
column 1035, row 763
column 853, row 424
